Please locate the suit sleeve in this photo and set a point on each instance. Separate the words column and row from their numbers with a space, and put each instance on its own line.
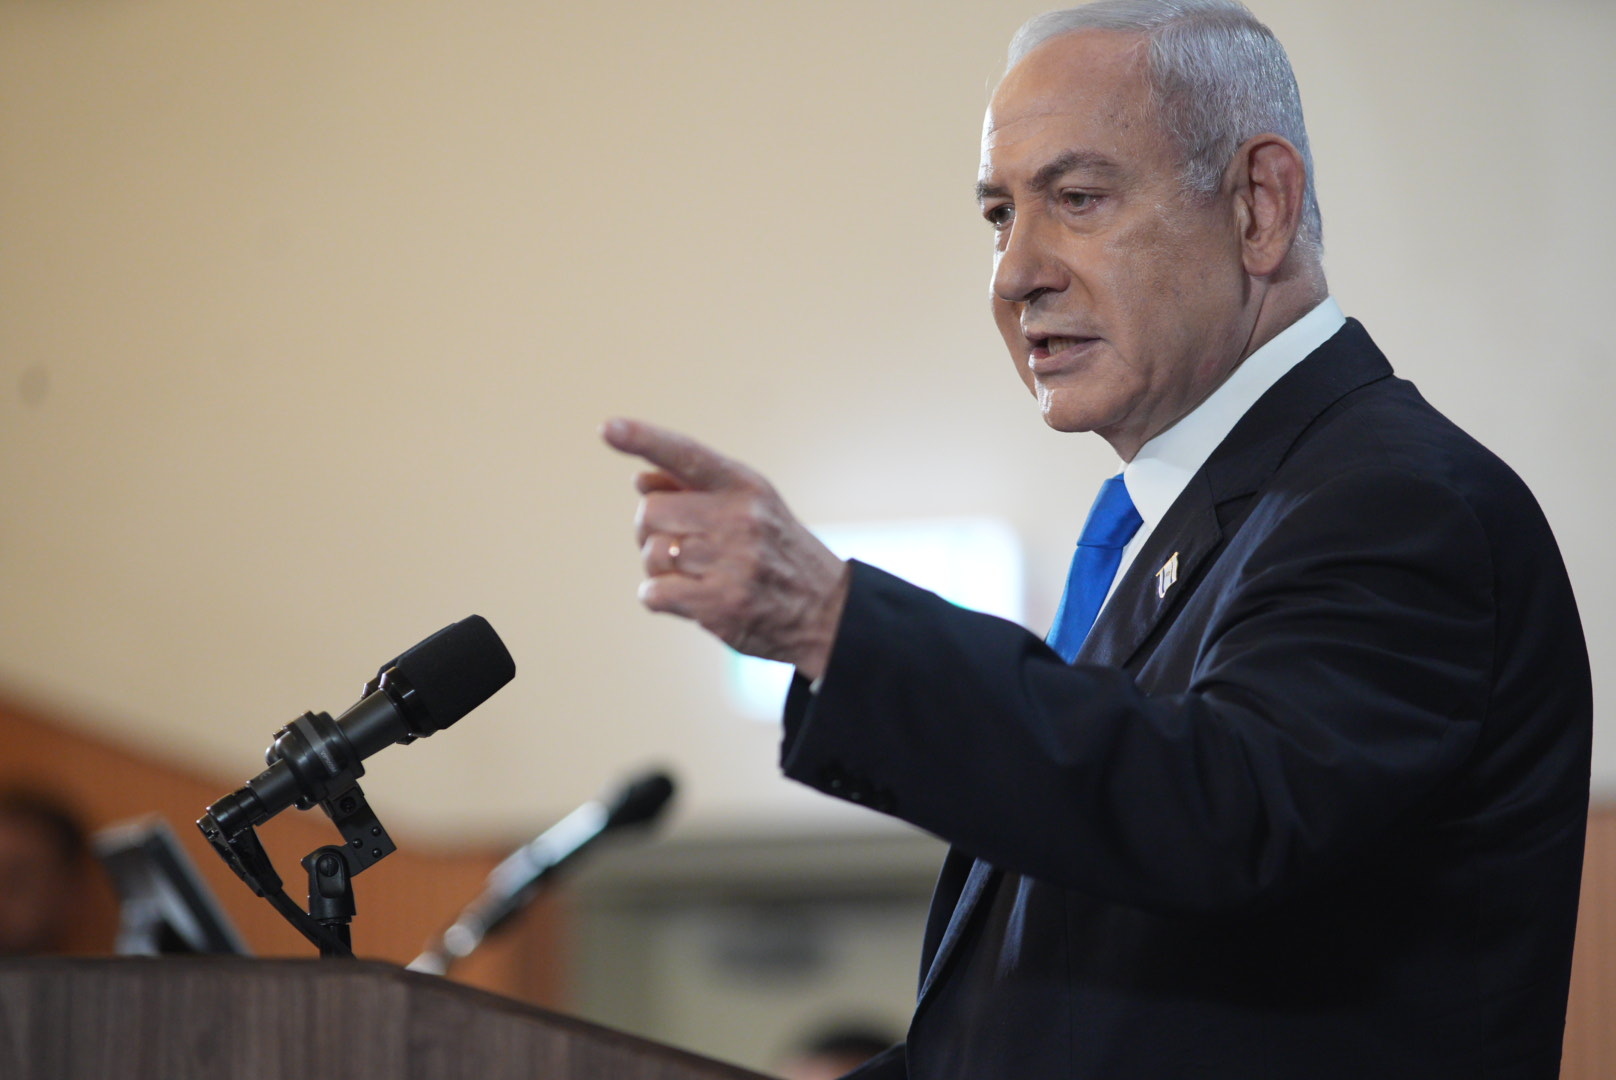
column 1337, row 678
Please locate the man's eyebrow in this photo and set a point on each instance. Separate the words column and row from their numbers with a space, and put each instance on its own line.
column 1052, row 171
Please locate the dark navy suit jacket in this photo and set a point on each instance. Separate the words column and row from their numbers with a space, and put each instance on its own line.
column 1315, row 808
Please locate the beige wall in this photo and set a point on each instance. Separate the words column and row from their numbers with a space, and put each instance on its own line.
column 309, row 311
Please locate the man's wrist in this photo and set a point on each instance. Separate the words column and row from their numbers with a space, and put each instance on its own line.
column 816, row 652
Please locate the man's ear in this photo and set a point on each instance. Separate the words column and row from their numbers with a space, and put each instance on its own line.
column 1269, row 180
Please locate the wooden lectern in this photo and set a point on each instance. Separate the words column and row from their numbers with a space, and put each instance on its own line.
column 224, row 1018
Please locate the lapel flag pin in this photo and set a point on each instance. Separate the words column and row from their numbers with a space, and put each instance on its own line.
column 1167, row 577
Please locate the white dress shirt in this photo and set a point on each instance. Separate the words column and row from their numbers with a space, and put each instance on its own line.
column 1158, row 474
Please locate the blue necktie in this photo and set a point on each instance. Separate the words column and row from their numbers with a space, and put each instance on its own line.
column 1111, row 523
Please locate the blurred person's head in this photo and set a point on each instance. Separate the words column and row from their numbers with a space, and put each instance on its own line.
column 43, row 851
column 834, row 1052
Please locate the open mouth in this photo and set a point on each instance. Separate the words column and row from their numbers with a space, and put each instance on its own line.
column 1045, row 347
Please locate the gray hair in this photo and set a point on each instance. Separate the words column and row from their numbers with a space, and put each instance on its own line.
column 1218, row 77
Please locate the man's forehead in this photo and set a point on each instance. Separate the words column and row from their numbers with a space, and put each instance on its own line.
column 1083, row 90
column 1082, row 73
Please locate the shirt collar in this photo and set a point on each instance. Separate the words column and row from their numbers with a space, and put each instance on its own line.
column 1162, row 469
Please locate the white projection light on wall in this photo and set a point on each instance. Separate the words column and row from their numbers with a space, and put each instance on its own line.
column 973, row 562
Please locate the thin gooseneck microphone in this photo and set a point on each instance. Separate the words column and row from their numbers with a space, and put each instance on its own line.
column 514, row 882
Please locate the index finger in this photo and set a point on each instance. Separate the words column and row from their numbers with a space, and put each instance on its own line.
column 680, row 456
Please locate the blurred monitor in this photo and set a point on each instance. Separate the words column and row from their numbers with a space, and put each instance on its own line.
column 164, row 905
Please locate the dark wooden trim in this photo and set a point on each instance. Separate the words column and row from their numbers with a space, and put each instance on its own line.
column 205, row 1018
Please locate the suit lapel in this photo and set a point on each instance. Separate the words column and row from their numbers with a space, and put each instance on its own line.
column 1171, row 564
column 976, row 886
column 1162, row 574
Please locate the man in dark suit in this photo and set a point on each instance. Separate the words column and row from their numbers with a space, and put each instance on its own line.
column 1308, row 801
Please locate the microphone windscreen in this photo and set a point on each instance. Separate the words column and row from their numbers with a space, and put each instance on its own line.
column 455, row 670
column 640, row 800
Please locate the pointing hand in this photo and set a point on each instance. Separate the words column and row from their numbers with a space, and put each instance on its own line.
column 720, row 547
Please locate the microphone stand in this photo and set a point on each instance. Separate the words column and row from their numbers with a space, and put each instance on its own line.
column 331, row 868
column 318, row 760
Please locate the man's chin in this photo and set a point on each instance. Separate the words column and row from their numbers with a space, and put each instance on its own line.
column 1069, row 421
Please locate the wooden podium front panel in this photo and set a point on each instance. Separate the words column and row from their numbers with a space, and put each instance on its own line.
column 232, row 1019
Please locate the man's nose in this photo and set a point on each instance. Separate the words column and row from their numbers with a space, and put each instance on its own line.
column 1026, row 266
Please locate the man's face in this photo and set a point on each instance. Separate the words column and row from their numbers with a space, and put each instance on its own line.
column 1122, row 297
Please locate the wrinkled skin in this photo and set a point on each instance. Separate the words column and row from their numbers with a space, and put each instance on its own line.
column 747, row 570
column 1123, row 298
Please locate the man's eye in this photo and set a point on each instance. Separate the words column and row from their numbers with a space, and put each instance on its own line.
column 1077, row 200
column 999, row 216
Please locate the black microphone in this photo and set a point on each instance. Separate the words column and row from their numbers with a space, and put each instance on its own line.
column 421, row 692
column 516, row 880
